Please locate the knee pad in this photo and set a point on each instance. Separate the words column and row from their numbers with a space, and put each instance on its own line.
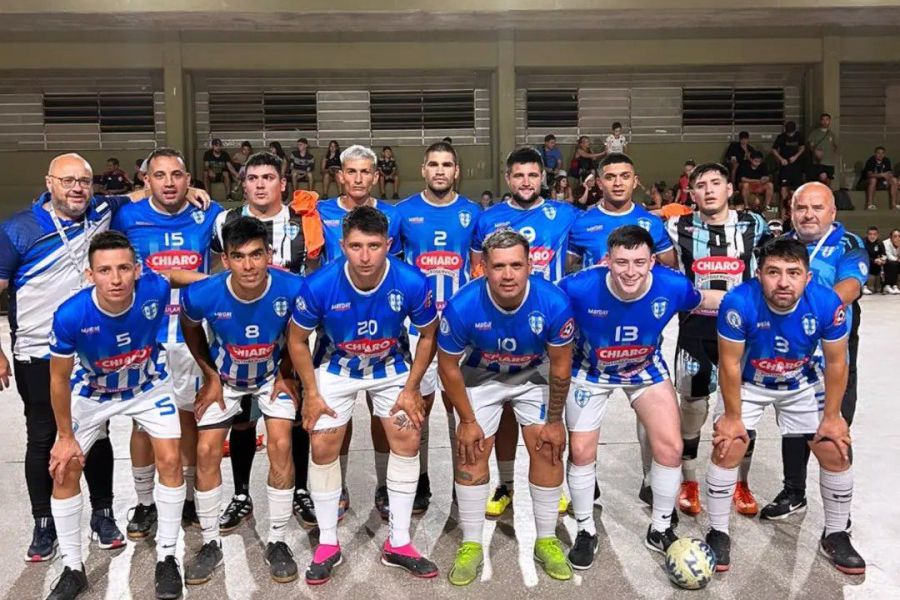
column 403, row 473
column 694, row 411
column 324, row 478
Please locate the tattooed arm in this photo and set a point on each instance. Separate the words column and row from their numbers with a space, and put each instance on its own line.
column 554, row 431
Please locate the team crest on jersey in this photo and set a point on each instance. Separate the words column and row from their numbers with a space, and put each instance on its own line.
column 281, row 306
column 644, row 223
column 692, row 367
column 301, row 304
column 549, row 212
column 292, row 230
column 51, row 337
column 199, row 217
column 465, row 218
column 864, row 268
column 395, row 300
column 582, row 396
column 445, row 326
column 734, row 319
column 840, row 315
column 659, row 307
column 150, row 309
column 828, row 251
column 810, row 324
column 536, row 323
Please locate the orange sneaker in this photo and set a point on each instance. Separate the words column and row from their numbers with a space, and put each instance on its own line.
column 689, row 498
column 744, row 502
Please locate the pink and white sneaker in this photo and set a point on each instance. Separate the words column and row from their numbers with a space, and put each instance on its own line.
column 325, row 560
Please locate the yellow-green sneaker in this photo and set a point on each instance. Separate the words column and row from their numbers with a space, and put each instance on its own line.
column 469, row 559
column 498, row 503
column 549, row 552
column 563, row 504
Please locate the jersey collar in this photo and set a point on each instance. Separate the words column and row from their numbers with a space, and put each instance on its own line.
column 515, row 206
column 500, row 308
column 617, row 297
column 615, row 214
column 265, row 291
column 387, row 268
column 109, row 314
column 429, row 203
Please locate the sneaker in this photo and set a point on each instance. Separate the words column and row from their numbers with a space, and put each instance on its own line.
column 325, row 559
column 189, row 516
column 894, row 290
column 499, row 502
column 563, row 504
column 105, row 530
column 167, row 579
column 581, row 555
column 645, row 494
column 305, row 509
column 866, row 291
column 549, row 552
column 43, row 541
column 659, row 541
column 744, row 502
column 871, row 207
column 407, row 557
column 787, row 502
column 841, row 553
column 382, row 503
column 69, row 585
column 468, row 561
column 689, row 498
column 141, row 522
column 239, row 509
column 423, row 495
column 200, row 569
column 720, row 543
column 344, row 503
column 280, row 559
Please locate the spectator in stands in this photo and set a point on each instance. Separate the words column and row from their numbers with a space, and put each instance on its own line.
column 615, row 142
column 487, row 199
column 303, row 165
column 217, row 167
column 591, row 194
column 553, row 160
column 113, row 181
column 892, row 262
column 669, row 208
column 877, row 258
column 683, row 196
column 584, row 161
column 738, row 152
column 387, row 167
column 817, row 171
column 656, row 196
column 240, row 157
column 331, row 164
column 137, row 181
column 276, row 149
column 877, row 175
column 787, row 150
column 755, row 184
column 822, row 143
column 506, row 197
column 562, row 191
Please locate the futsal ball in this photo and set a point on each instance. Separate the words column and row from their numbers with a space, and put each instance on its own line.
column 690, row 563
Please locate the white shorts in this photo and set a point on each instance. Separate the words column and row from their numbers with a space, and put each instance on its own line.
column 529, row 403
column 796, row 412
column 185, row 374
column 340, row 393
column 430, row 381
column 280, row 407
column 154, row 410
column 587, row 401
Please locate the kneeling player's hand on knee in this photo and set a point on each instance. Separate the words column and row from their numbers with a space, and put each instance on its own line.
column 64, row 450
column 469, row 441
column 412, row 403
column 555, row 435
column 314, row 407
column 291, row 387
column 836, row 431
column 209, row 392
column 725, row 431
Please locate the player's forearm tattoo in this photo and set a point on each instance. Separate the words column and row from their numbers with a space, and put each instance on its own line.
column 559, row 389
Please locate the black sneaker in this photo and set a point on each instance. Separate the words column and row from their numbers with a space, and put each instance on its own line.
column 382, row 503
column 787, row 502
column 240, row 508
column 141, row 522
column 581, row 556
column 304, row 508
column 645, row 495
column 69, row 585
column 659, row 541
column 189, row 516
column 105, row 530
column 43, row 541
column 167, row 579
column 281, row 562
column 200, row 569
column 720, row 543
column 396, row 196
column 423, row 495
column 841, row 553
column 409, row 559
column 320, row 572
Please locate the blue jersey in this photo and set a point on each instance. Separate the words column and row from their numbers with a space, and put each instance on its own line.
column 588, row 237
column 500, row 344
column 779, row 347
column 437, row 240
column 248, row 336
column 164, row 242
column 546, row 226
column 361, row 335
column 618, row 340
column 117, row 354
column 332, row 215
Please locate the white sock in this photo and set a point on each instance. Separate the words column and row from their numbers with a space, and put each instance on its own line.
column 545, row 502
column 471, row 500
column 67, row 518
column 190, row 476
column 423, row 448
column 143, row 483
column 720, row 484
column 281, row 507
column 581, row 488
column 689, row 469
column 326, row 495
column 208, row 506
column 381, row 467
column 169, row 502
column 402, row 481
column 506, row 472
column 837, row 494
column 665, row 483
column 345, row 461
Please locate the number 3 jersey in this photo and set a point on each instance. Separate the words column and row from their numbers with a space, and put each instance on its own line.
column 779, row 347
column 509, row 346
column 248, row 335
column 361, row 334
column 619, row 340
column 117, row 355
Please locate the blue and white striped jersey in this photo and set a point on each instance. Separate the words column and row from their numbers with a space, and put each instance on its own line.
column 332, row 214
column 779, row 347
column 591, row 230
column 248, row 336
column 117, row 355
column 619, row 340
column 361, row 335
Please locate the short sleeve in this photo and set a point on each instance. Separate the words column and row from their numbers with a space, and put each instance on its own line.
column 189, row 307
column 478, row 234
column 731, row 323
column 305, row 311
column 661, row 240
column 887, row 164
column 833, row 318
column 561, row 328
column 9, row 256
column 394, row 233
column 854, row 264
column 452, row 333
column 423, row 310
column 690, row 297
column 61, row 338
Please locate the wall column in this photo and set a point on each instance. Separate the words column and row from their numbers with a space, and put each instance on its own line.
column 504, row 106
column 173, row 85
column 830, row 82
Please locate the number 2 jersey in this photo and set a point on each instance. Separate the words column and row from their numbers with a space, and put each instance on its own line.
column 779, row 347
column 248, row 335
column 117, row 355
column 361, row 334
column 618, row 340
column 437, row 239
column 332, row 215
column 164, row 242
column 509, row 346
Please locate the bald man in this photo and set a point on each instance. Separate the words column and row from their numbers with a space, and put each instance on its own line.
column 838, row 259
